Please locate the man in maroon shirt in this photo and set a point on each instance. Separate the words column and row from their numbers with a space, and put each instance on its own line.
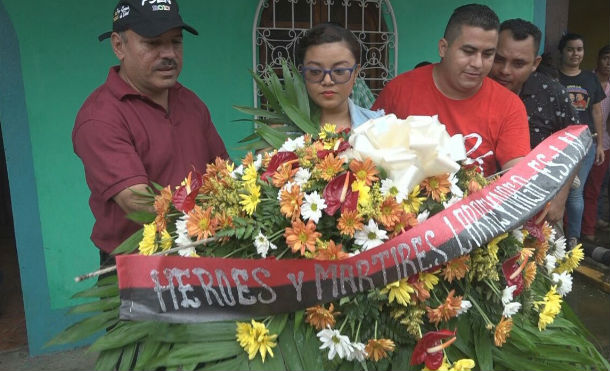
column 141, row 125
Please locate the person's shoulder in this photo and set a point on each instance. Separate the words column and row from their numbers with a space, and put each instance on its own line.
column 495, row 90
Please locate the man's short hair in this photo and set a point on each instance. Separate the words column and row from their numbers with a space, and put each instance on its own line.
column 569, row 37
column 603, row 51
column 474, row 15
column 521, row 30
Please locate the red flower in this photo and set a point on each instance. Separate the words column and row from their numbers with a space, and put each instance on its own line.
column 429, row 348
column 338, row 194
column 277, row 160
column 343, row 146
column 535, row 230
column 184, row 197
column 512, row 273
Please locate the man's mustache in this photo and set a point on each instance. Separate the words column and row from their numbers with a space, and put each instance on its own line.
column 167, row 63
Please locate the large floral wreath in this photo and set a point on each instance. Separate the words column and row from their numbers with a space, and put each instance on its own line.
column 328, row 196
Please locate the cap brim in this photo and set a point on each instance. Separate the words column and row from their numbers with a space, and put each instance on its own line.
column 147, row 32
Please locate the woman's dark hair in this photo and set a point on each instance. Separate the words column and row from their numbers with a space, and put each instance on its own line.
column 324, row 33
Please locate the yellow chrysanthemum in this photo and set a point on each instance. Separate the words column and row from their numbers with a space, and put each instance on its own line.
column 327, row 130
column 250, row 175
column 251, row 199
column 148, row 244
column 255, row 338
column 552, row 306
column 492, row 246
column 572, row 260
column 166, row 240
column 400, row 291
column 429, row 279
column 364, row 192
column 413, row 203
column 464, row 364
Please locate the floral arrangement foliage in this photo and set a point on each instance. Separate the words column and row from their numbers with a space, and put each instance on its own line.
column 499, row 307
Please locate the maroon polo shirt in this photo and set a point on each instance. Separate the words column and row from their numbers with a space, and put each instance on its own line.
column 124, row 138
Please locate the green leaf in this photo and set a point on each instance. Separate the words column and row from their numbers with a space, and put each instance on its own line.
column 308, row 348
column 130, row 244
column 277, row 324
column 298, row 319
column 157, row 186
column 108, row 359
column 202, row 352
column 261, row 113
column 85, row 328
column 238, row 363
column 98, row 292
column 97, row 306
column 197, row 332
column 402, row 360
column 126, row 332
column 264, row 87
column 271, row 363
column 108, row 280
column 141, row 217
column 274, row 137
column 129, row 352
column 287, row 346
column 148, row 351
column 482, row 347
column 301, row 90
column 300, row 120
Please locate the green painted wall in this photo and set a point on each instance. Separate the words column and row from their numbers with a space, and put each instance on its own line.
column 50, row 60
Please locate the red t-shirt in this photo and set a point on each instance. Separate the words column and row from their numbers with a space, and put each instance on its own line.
column 123, row 139
column 493, row 121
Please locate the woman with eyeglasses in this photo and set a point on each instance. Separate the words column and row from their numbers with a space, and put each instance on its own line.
column 328, row 58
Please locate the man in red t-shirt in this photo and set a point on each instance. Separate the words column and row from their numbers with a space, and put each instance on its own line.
column 491, row 118
column 141, row 126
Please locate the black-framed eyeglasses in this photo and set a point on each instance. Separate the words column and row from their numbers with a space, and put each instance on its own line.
column 338, row 75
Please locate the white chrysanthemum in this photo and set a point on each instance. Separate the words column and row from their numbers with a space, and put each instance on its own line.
column 358, row 354
column 553, row 233
column 451, row 201
column 455, row 189
column 466, row 304
column 291, row 145
column 302, row 176
column 239, row 171
column 423, row 216
column 389, row 188
column 507, row 294
column 188, row 252
column 262, row 244
column 550, row 262
column 258, row 162
column 510, row 309
column 518, row 234
column 312, row 207
column 564, row 282
column 287, row 187
column 560, row 248
column 182, row 238
column 370, row 236
column 336, row 343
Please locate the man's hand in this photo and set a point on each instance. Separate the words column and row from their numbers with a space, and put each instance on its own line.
column 130, row 200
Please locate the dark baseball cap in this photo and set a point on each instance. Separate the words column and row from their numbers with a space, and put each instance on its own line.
column 147, row 18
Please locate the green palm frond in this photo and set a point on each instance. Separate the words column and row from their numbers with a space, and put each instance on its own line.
column 286, row 113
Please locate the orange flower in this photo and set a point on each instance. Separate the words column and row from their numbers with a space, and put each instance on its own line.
column 301, row 236
column 377, row 349
column 283, row 175
column 364, row 171
column 541, row 250
column 502, row 331
column 526, row 253
column 201, row 223
column 421, row 292
column 456, row 268
column 349, row 222
column 291, row 202
column 447, row 310
column 405, row 222
column 530, row 274
column 390, row 212
column 320, row 317
column 329, row 167
column 474, row 186
column 546, row 231
column 162, row 202
column 267, row 158
column 436, row 187
column 247, row 160
column 330, row 251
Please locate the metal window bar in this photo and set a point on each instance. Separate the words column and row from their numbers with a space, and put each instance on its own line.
column 279, row 24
